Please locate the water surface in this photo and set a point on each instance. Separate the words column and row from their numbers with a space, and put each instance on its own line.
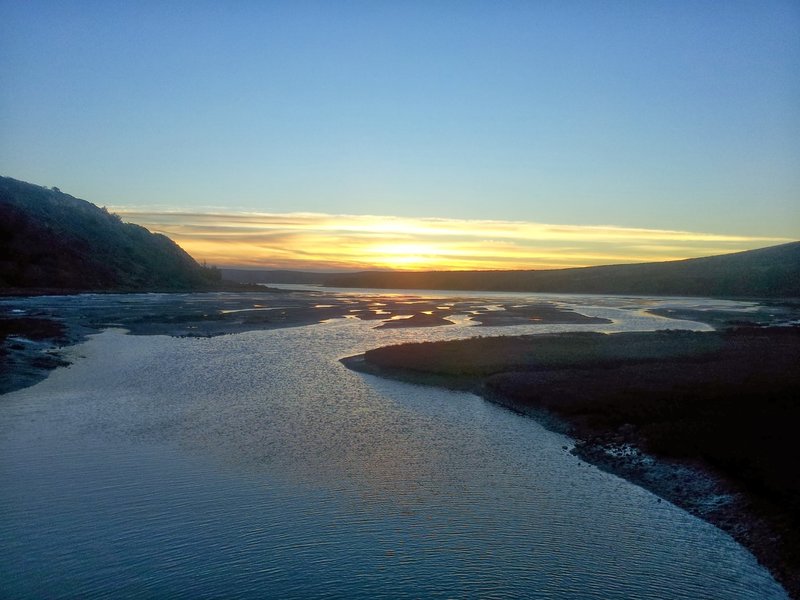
column 255, row 465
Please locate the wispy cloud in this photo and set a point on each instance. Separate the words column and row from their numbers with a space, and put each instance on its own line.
column 324, row 241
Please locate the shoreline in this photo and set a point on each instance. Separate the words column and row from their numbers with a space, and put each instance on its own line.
column 756, row 521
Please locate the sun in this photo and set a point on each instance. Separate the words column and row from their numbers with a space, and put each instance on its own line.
column 406, row 256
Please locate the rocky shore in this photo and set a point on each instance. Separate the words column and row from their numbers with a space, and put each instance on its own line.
column 703, row 420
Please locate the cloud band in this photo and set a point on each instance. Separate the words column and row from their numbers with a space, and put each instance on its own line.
column 338, row 242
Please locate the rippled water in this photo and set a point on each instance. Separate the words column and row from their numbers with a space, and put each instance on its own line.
column 255, row 465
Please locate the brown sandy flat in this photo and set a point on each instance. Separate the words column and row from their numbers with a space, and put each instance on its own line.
column 416, row 320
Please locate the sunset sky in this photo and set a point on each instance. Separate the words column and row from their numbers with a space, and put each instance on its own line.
column 436, row 134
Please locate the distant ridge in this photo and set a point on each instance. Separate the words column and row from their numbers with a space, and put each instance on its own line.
column 274, row 276
column 52, row 241
column 772, row 272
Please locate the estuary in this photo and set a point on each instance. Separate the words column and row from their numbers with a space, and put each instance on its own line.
column 255, row 465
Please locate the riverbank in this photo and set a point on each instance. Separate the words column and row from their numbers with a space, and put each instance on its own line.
column 704, row 420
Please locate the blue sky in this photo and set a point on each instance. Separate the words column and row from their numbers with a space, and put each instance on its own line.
column 657, row 115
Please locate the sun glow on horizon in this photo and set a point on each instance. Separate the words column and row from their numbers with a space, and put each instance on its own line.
column 410, row 255
column 313, row 241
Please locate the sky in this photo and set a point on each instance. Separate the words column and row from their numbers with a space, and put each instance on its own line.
column 435, row 134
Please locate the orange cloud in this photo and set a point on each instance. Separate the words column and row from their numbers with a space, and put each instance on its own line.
column 322, row 241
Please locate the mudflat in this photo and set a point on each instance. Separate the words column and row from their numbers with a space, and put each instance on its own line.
column 34, row 329
column 705, row 420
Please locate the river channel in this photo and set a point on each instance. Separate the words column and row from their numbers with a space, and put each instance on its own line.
column 255, row 465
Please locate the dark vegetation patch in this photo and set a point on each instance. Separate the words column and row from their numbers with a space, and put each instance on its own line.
column 416, row 320
column 32, row 328
column 484, row 356
column 28, row 349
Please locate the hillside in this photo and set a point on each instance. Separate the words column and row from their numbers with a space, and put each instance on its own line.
column 51, row 240
column 772, row 272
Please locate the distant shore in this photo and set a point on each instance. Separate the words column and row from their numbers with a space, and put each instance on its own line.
column 704, row 420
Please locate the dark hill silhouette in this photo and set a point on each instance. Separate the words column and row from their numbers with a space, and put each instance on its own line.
column 51, row 240
column 772, row 272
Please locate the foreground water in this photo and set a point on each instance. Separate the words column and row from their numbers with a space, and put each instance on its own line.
column 255, row 465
